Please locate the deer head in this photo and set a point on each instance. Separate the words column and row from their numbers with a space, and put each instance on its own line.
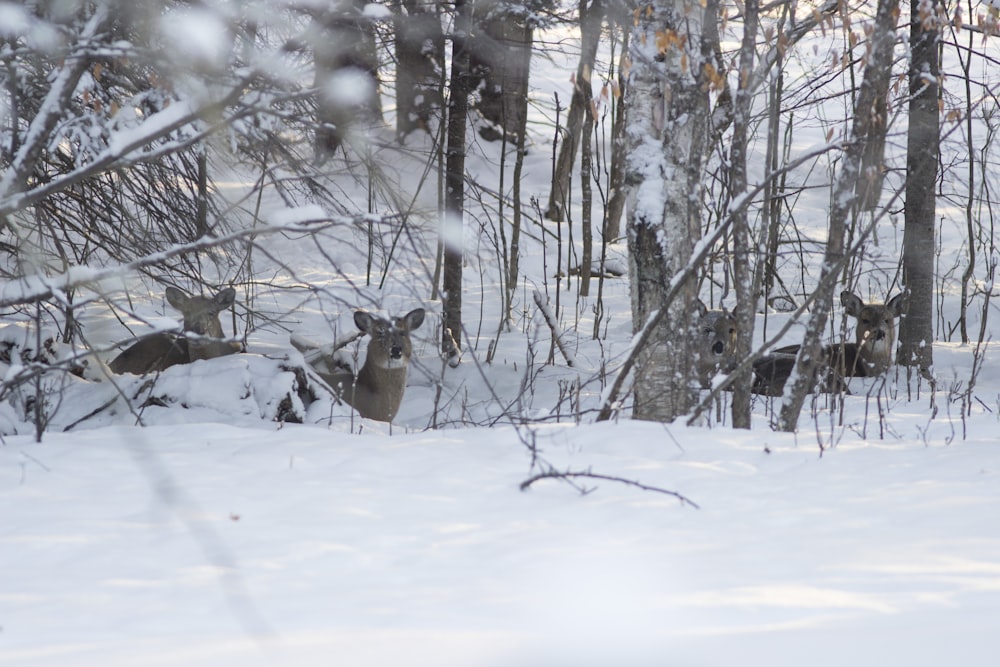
column 875, row 334
column 715, row 342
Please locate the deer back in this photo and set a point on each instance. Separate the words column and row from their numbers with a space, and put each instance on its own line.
column 163, row 350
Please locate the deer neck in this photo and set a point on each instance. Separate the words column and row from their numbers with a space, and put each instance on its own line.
column 877, row 355
column 379, row 390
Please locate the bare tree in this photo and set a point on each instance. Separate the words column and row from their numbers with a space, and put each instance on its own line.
column 591, row 18
column 500, row 63
column 746, row 298
column 922, row 147
column 452, row 235
column 419, row 65
column 878, row 57
column 667, row 107
column 346, row 70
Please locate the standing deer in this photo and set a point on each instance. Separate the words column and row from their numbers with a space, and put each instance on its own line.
column 376, row 391
column 715, row 343
column 870, row 355
column 163, row 350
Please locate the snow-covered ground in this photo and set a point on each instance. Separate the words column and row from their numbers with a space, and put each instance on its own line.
column 207, row 544
column 215, row 536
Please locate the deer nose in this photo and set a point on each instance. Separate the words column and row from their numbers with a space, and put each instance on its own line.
column 879, row 335
column 719, row 347
column 396, row 352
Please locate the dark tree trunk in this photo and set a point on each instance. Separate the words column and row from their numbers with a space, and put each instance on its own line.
column 501, row 61
column 923, row 137
column 453, row 229
column 419, row 66
column 591, row 19
column 345, row 44
column 616, row 178
column 872, row 172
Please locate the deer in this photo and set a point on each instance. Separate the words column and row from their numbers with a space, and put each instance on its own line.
column 376, row 391
column 870, row 355
column 715, row 343
column 160, row 351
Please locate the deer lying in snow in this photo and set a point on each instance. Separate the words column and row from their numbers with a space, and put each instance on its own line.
column 163, row 350
column 870, row 355
column 376, row 391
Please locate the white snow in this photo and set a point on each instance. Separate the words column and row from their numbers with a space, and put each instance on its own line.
column 207, row 544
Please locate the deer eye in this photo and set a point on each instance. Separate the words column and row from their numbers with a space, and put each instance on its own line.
column 708, row 331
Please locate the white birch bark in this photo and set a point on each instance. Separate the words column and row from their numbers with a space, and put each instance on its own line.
column 666, row 135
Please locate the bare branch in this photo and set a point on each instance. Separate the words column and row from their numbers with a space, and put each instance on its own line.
column 570, row 475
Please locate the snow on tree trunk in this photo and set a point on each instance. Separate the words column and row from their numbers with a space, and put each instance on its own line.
column 667, row 108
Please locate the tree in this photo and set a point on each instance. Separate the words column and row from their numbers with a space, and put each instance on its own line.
column 453, row 232
column 419, row 66
column 746, row 298
column 500, row 51
column 591, row 18
column 346, row 70
column 667, row 107
column 878, row 57
column 923, row 139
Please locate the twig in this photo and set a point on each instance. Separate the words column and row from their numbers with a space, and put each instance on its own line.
column 554, row 327
column 569, row 475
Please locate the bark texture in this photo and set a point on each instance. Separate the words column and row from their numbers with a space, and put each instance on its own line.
column 667, row 107
column 923, row 138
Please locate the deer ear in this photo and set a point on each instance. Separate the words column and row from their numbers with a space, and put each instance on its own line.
column 363, row 320
column 414, row 319
column 851, row 302
column 896, row 304
column 176, row 298
column 225, row 298
column 700, row 308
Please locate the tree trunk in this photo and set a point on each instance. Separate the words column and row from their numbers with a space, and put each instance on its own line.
column 419, row 67
column 667, row 108
column 590, row 36
column 501, row 60
column 616, row 177
column 922, row 144
column 879, row 58
column 745, row 295
column 453, row 228
column 872, row 172
column 345, row 47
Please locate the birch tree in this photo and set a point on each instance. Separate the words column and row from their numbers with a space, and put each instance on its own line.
column 745, row 296
column 667, row 108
